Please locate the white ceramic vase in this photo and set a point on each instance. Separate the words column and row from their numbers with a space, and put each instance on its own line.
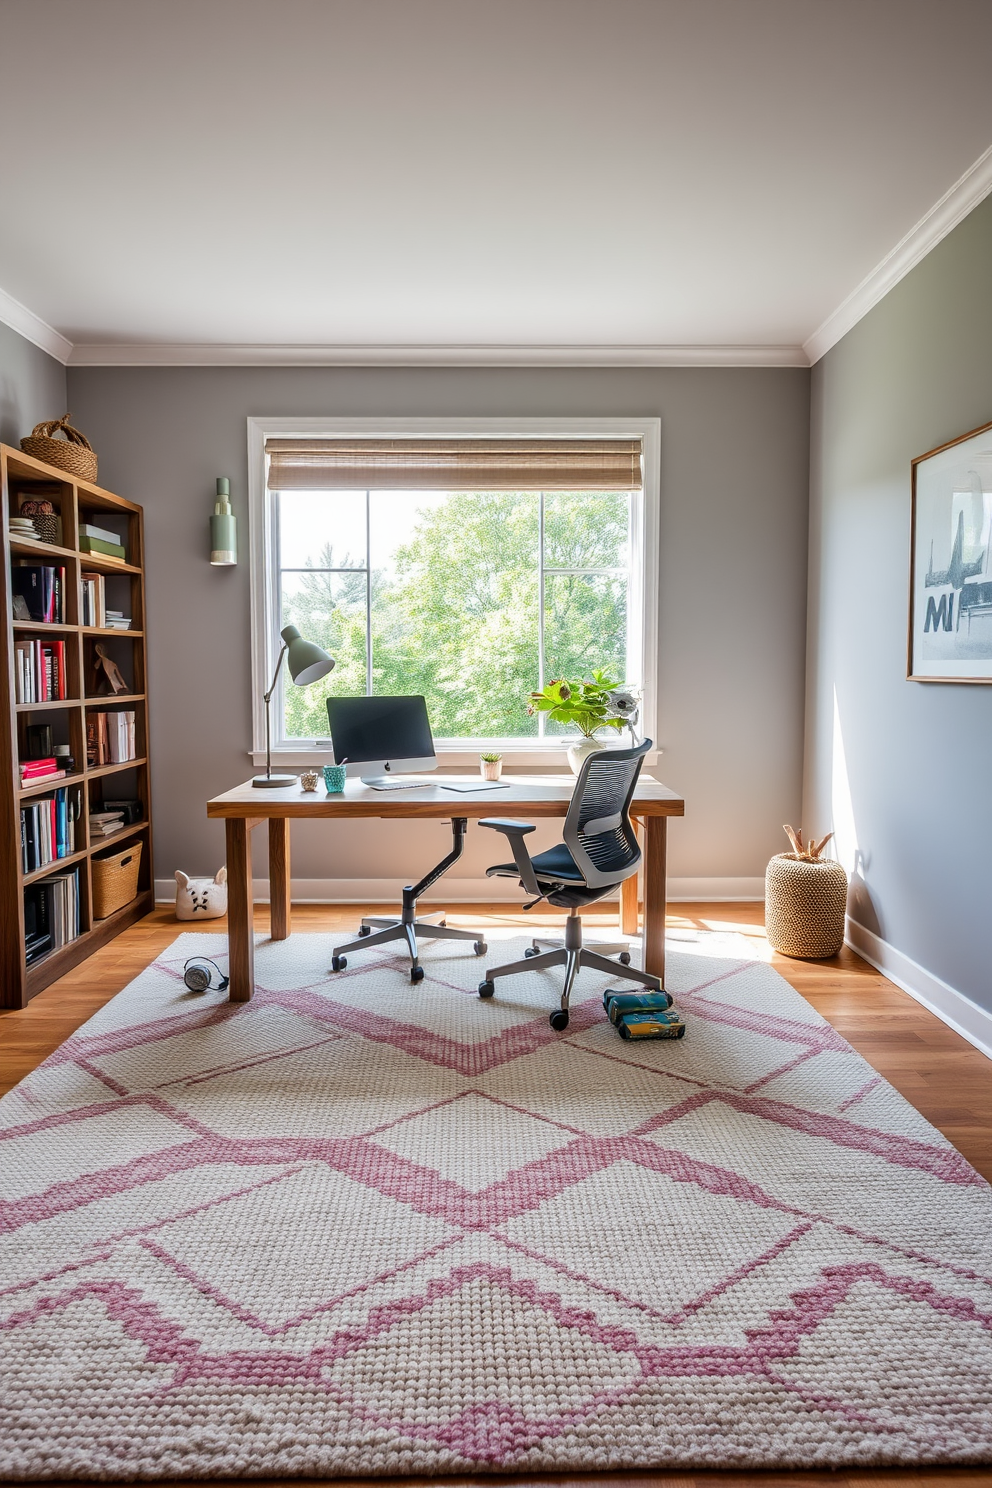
column 578, row 751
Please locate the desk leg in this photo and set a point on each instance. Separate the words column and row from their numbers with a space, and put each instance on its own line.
column 628, row 901
column 655, row 894
column 240, row 919
column 279, row 911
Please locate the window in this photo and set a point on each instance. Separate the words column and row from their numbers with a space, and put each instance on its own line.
column 470, row 595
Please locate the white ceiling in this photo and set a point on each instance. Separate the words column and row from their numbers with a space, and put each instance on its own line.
column 604, row 179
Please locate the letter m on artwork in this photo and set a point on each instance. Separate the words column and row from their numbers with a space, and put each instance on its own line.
column 939, row 615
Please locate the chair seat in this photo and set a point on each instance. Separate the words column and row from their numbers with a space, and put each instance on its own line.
column 556, row 865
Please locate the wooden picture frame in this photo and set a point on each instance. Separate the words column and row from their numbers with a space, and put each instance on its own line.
column 950, row 566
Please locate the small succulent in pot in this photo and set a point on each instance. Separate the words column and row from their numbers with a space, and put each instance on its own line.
column 490, row 765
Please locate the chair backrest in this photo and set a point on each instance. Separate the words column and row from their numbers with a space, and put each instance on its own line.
column 598, row 831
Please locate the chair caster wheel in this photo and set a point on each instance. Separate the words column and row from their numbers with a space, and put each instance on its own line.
column 624, row 958
column 487, row 989
column 364, row 930
column 531, row 951
column 416, row 974
column 338, row 963
column 559, row 1020
column 480, row 947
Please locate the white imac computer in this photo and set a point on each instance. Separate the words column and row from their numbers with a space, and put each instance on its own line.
column 373, row 736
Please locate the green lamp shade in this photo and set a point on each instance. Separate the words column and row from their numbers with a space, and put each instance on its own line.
column 307, row 662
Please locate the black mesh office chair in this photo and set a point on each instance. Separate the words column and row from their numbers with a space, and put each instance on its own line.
column 599, row 851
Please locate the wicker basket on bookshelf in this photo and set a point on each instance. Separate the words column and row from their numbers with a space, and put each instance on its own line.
column 115, row 879
column 74, row 453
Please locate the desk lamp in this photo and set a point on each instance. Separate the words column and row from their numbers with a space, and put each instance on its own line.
column 307, row 663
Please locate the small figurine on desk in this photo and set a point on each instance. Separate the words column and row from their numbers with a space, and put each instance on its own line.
column 107, row 671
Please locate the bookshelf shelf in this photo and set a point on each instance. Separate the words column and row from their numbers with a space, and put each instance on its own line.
column 100, row 563
column 98, row 771
column 38, row 549
column 27, row 791
column 77, row 502
column 47, row 707
column 56, row 866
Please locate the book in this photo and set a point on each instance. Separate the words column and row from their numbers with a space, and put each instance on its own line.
column 35, row 583
column 94, row 599
column 87, row 529
column 103, row 549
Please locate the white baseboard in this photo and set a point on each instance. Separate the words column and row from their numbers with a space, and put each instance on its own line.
column 946, row 1002
column 466, row 890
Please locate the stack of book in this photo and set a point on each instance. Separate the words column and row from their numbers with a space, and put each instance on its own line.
column 640, row 1015
column 34, row 771
column 110, row 738
column 38, row 589
column 39, row 671
column 48, row 828
column 51, row 914
column 94, row 599
column 100, row 540
column 117, row 620
column 105, row 823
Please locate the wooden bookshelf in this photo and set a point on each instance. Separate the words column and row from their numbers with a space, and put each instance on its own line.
column 77, row 502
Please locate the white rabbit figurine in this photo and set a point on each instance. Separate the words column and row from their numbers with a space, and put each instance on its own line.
column 201, row 898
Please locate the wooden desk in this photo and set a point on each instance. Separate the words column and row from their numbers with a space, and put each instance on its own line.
column 526, row 796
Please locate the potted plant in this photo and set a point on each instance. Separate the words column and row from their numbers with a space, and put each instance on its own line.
column 490, row 766
column 805, row 900
column 588, row 705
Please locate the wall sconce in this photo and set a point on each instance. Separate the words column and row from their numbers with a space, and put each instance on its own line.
column 223, row 528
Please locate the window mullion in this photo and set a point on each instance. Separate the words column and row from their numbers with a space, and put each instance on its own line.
column 540, row 606
column 368, row 593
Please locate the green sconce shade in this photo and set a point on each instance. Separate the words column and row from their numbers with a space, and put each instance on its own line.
column 307, row 662
column 223, row 528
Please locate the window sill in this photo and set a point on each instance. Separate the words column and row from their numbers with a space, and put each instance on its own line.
column 552, row 757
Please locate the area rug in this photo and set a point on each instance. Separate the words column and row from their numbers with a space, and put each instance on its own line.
column 356, row 1227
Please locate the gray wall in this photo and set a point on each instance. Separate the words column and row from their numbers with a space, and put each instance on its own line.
column 733, row 586
column 32, row 387
column 915, row 372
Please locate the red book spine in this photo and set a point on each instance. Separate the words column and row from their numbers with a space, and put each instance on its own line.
column 60, row 653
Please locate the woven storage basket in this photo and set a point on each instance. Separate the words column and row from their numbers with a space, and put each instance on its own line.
column 804, row 906
column 74, row 453
column 115, row 879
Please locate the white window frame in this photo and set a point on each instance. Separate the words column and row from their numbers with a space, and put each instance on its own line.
column 643, row 594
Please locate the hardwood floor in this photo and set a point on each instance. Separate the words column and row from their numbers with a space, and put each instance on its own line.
column 942, row 1075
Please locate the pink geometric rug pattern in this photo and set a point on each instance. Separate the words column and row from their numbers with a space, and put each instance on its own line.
column 358, row 1227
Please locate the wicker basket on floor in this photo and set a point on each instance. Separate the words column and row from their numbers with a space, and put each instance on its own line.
column 805, row 902
column 115, row 879
column 74, row 453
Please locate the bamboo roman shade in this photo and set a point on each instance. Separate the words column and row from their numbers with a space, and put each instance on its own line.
column 454, row 464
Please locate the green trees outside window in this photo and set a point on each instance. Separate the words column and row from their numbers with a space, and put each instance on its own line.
column 440, row 593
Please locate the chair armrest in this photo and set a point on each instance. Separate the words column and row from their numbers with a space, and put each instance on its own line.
column 516, row 831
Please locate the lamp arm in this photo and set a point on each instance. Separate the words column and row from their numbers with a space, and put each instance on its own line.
column 275, row 675
column 268, row 720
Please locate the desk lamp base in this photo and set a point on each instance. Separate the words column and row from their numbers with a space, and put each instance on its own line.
column 273, row 782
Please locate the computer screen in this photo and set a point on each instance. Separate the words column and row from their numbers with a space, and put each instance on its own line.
column 381, row 730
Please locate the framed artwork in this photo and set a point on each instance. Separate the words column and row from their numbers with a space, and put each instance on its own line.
column 950, row 595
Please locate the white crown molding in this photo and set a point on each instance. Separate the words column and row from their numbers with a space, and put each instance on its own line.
column 33, row 328
column 953, row 207
column 206, row 355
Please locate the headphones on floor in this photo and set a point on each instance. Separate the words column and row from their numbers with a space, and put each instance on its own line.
column 198, row 974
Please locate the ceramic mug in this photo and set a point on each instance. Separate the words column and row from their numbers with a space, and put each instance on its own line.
column 334, row 778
